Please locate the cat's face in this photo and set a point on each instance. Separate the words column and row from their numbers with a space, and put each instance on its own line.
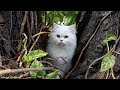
column 63, row 35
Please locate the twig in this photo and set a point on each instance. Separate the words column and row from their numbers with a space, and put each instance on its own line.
column 116, row 42
column 116, row 52
column 47, row 63
column 40, row 34
column 107, row 72
column 11, row 22
column 29, row 30
column 88, row 43
column 91, row 65
column 24, row 22
column 2, row 35
column 36, row 39
column 112, row 73
column 36, row 26
column 63, row 60
column 24, row 75
column 25, row 42
column 32, row 24
column 32, row 20
column 9, row 71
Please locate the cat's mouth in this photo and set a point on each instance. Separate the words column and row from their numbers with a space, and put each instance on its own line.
column 61, row 44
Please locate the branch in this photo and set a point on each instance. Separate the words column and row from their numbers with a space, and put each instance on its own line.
column 91, row 65
column 40, row 34
column 24, row 22
column 36, row 39
column 9, row 71
column 116, row 42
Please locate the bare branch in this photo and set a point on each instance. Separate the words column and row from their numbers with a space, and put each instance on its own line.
column 9, row 71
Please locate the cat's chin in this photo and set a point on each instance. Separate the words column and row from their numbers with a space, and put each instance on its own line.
column 61, row 44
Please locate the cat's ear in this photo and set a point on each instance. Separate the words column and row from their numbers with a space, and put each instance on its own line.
column 73, row 28
column 53, row 27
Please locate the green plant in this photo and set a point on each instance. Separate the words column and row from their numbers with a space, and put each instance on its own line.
column 32, row 62
column 68, row 17
column 109, row 59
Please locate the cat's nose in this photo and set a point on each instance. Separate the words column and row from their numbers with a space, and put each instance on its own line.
column 61, row 40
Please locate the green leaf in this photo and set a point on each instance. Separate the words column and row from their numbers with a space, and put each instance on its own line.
column 69, row 18
column 110, row 36
column 39, row 74
column 60, row 16
column 32, row 55
column 28, row 64
column 33, row 74
column 52, row 75
column 107, row 62
column 55, row 16
column 43, row 19
column 48, row 12
column 56, row 19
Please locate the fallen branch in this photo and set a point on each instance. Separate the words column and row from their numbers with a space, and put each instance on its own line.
column 9, row 71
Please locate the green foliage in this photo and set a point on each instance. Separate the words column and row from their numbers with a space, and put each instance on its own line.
column 68, row 17
column 110, row 36
column 32, row 55
column 42, row 74
column 52, row 75
column 37, row 74
column 107, row 62
column 109, row 59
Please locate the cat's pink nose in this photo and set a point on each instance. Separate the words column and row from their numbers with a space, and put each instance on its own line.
column 61, row 40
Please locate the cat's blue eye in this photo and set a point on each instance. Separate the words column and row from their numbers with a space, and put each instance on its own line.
column 58, row 36
column 66, row 36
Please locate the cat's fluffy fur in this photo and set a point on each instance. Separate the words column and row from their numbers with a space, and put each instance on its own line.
column 62, row 51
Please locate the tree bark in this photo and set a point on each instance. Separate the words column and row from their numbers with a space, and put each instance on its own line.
column 96, row 48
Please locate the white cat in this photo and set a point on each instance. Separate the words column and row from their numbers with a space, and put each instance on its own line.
column 61, row 46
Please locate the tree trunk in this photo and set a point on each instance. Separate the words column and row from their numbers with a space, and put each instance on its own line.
column 98, row 24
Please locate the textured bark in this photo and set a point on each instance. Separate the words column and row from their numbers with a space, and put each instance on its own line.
column 9, row 32
column 96, row 47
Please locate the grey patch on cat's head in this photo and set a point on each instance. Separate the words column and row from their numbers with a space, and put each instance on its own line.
column 73, row 28
column 53, row 27
column 56, row 25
